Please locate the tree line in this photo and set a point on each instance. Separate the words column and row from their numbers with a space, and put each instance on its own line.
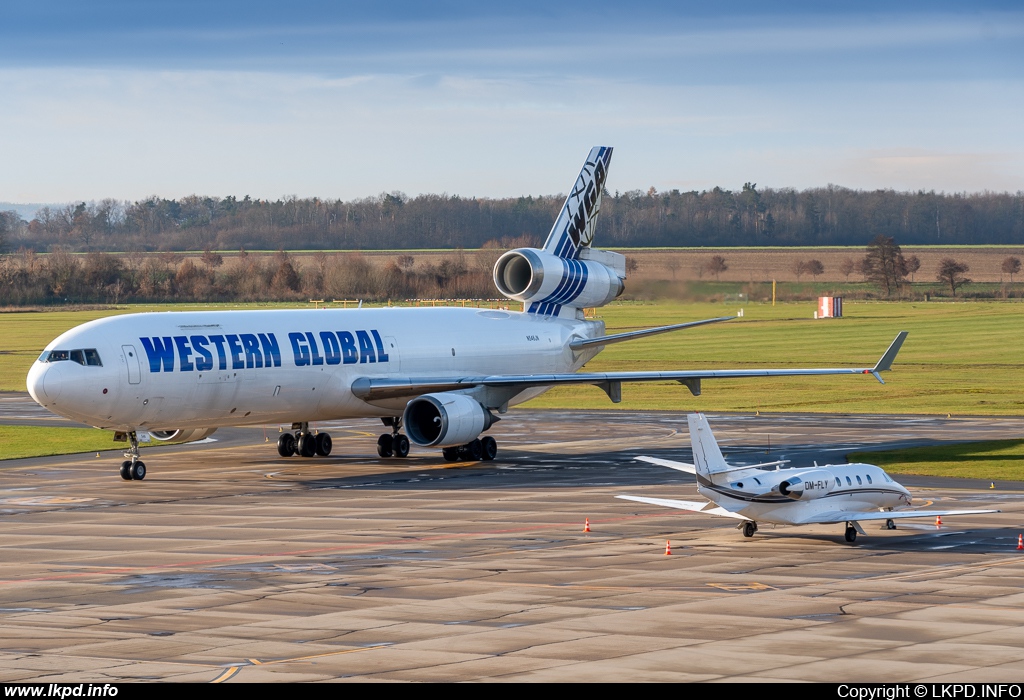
column 716, row 218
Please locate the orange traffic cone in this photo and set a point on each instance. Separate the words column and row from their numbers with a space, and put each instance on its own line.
column 668, row 548
column 1020, row 541
column 586, row 525
column 938, row 521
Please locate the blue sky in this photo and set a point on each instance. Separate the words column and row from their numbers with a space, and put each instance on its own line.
column 127, row 99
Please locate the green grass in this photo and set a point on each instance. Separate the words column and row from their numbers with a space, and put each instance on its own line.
column 994, row 460
column 17, row 441
column 960, row 357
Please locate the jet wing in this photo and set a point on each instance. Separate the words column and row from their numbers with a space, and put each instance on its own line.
column 681, row 466
column 379, row 388
column 695, row 506
column 840, row 517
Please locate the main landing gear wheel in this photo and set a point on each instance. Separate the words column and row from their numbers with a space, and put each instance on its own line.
column 749, row 528
column 323, row 444
column 890, row 524
column 400, row 445
column 384, row 445
column 286, row 445
column 126, row 470
column 138, row 471
column 489, row 448
column 851, row 533
column 473, row 450
column 307, row 445
column 450, row 454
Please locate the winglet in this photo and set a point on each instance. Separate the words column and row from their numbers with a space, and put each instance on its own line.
column 885, row 363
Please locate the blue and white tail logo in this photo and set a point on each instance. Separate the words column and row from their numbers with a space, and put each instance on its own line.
column 574, row 227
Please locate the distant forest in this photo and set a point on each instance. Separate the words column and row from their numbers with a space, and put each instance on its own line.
column 748, row 217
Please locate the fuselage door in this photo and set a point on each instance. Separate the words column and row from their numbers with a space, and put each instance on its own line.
column 394, row 358
column 131, row 359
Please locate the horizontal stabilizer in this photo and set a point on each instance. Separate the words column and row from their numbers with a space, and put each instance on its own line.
column 578, row 345
column 681, row 466
column 694, row 506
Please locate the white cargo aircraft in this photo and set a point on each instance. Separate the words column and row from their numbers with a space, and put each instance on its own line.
column 769, row 493
column 440, row 373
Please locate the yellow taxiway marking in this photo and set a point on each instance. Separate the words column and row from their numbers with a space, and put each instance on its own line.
column 233, row 669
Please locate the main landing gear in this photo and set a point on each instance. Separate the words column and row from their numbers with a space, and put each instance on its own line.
column 485, row 448
column 749, row 528
column 132, row 468
column 303, row 442
column 395, row 444
column 851, row 533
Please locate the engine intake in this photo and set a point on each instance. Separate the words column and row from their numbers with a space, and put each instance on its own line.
column 807, row 487
column 445, row 419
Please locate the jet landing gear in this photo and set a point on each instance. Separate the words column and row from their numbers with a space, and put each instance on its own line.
column 303, row 442
column 395, row 444
column 851, row 533
column 132, row 468
column 749, row 528
column 485, row 448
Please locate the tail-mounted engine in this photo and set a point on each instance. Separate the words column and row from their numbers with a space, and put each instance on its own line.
column 190, row 435
column 548, row 282
column 807, row 486
column 445, row 419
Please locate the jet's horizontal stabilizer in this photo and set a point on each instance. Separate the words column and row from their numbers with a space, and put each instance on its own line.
column 578, row 345
column 693, row 506
column 680, row 466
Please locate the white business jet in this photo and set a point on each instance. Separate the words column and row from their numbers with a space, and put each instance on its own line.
column 442, row 374
column 769, row 493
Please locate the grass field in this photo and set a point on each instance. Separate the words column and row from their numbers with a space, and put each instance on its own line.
column 28, row 441
column 994, row 460
column 960, row 358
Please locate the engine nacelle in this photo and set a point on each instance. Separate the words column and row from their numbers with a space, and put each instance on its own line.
column 807, row 486
column 187, row 435
column 531, row 275
column 445, row 419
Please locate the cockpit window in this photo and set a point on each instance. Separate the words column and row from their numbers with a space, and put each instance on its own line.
column 82, row 357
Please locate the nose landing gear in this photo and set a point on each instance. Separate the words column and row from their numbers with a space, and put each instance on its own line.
column 132, row 468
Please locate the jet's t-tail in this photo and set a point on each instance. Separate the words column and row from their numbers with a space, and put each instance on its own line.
column 707, row 457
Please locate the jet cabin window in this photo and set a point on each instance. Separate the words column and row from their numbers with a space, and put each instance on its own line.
column 82, row 357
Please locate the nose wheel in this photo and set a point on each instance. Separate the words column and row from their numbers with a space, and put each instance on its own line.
column 132, row 468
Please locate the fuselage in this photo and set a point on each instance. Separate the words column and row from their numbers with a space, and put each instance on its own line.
column 838, row 488
column 176, row 370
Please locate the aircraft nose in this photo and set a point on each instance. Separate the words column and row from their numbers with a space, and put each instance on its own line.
column 44, row 383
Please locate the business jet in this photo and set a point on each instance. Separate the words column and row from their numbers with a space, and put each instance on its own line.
column 770, row 493
column 445, row 375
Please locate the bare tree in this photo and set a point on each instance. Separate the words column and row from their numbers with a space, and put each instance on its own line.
column 846, row 267
column 672, row 263
column 815, row 268
column 1011, row 266
column 913, row 265
column 884, row 264
column 952, row 273
column 717, row 265
column 799, row 267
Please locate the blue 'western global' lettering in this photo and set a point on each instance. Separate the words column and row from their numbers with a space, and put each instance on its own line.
column 200, row 353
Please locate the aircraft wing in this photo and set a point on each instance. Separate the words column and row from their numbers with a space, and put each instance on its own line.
column 695, row 506
column 379, row 388
column 681, row 466
column 839, row 517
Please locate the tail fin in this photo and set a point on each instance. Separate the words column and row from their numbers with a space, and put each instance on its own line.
column 707, row 458
column 574, row 227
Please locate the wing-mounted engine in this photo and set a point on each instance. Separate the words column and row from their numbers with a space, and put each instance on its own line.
column 445, row 419
column 188, row 435
column 546, row 282
column 807, row 486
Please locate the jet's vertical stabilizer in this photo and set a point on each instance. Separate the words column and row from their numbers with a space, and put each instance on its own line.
column 574, row 227
column 707, row 457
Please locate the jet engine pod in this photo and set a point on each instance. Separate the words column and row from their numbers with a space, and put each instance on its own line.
column 528, row 274
column 445, row 419
column 188, row 435
column 808, row 487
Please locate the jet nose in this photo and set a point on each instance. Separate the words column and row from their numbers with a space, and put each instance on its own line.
column 44, row 383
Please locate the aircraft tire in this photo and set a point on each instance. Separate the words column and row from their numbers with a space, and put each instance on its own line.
column 749, row 528
column 307, row 445
column 138, row 471
column 286, row 445
column 384, row 446
column 489, row 448
column 450, row 454
column 851, row 534
column 473, row 450
column 126, row 470
column 323, row 444
column 400, row 445
column 890, row 524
